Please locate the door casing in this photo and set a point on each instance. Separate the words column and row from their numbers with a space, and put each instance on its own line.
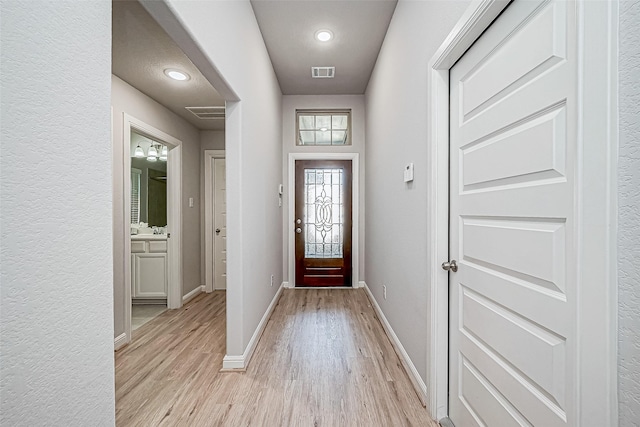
column 597, row 208
column 290, row 218
column 174, row 214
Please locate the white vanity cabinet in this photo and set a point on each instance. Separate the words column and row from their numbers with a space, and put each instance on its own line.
column 148, row 266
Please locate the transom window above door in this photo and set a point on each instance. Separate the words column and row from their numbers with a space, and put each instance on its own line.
column 325, row 127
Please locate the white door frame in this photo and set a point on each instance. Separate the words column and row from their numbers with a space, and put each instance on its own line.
column 209, row 205
column 596, row 205
column 355, row 208
column 174, row 213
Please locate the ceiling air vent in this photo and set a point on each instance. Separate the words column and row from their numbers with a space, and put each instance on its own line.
column 207, row 113
column 323, row 72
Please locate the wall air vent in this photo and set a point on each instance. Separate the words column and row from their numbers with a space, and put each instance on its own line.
column 207, row 113
column 323, row 72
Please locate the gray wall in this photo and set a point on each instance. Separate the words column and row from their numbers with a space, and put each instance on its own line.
column 212, row 140
column 291, row 103
column 396, row 114
column 56, row 356
column 629, row 215
column 127, row 99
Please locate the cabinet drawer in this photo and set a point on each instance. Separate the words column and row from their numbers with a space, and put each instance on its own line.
column 158, row 247
column 138, row 247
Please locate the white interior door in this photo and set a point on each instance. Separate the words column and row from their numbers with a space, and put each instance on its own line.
column 220, row 224
column 513, row 301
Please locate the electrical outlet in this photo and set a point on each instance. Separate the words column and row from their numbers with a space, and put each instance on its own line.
column 272, row 280
column 384, row 291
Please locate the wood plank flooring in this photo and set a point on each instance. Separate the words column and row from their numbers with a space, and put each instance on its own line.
column 323, row 360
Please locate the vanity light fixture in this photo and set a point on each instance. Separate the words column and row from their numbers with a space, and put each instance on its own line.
column 156, row 152
column 152, row 155
column 164, row 152
column 176, row 74
column 324, row 35
column 138, row 151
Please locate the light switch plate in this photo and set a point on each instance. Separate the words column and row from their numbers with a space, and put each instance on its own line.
column 408, row 172
column 190, row 202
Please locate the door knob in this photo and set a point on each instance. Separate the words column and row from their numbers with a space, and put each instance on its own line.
column 217, row 231
column 450, row 265
column 298, row 230
column 298, row 221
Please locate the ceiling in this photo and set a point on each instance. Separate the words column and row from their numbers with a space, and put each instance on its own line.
column 288, row 28
column 141, row 52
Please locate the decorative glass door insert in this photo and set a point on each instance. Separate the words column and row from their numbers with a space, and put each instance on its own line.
column 324, row 213
column 323, row 223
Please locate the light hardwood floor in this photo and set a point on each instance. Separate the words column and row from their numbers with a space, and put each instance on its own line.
column 323, row 360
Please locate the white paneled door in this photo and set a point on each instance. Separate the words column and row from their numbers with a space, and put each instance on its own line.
column 220, row 224
column 513, row 300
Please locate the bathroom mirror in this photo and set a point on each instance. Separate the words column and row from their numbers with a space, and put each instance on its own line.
column 148, row 181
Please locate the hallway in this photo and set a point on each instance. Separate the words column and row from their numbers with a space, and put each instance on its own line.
column 323, row 360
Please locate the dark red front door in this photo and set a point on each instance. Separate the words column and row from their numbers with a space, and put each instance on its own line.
column 323, row 222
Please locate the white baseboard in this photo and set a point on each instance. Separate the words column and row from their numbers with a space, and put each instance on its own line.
column 286, row 285
column 194, row 293
column 233, row 363
column 409, row 367
column 241, row 362
column 119, row 341
column 361, row 284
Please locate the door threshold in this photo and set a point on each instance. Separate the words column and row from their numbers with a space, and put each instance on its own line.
column 446, row 422
column 322, row 287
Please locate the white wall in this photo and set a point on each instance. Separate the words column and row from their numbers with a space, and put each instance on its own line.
column 209, row 140
column 396, row 114
column 56, row 351
column 127, row 99
column 629, row 215
column 291, row 103
column 228, row 35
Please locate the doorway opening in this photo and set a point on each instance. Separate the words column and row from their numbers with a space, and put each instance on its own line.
column 191, row 115
column 314, row 224
column 153, row 257
column 148, row 229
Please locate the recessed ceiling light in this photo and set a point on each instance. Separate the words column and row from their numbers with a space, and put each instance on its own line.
column 324, row 35
column 176, row 74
